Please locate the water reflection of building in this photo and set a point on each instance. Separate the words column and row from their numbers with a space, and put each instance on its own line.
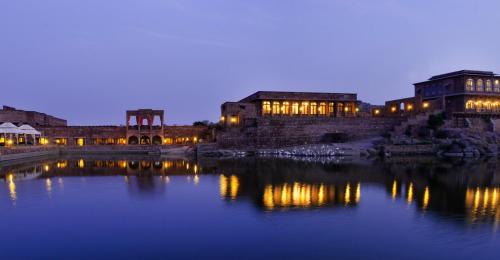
column 440, row 189
column 143, row 175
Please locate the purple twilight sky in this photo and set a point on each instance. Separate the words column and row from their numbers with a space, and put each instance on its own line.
column 90, row 60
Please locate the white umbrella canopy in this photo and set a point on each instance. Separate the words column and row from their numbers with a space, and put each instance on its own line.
column 9, row 128
column 29, row 130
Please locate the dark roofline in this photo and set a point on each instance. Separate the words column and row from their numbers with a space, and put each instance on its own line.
column 459, row 73
column 256, row 94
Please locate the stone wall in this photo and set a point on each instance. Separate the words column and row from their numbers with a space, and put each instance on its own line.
column 33, row 118
column 285, row 131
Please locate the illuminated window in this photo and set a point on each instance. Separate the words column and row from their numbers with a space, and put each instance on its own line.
column 168, row 140
column 285, row 108
column 376, row 112
column 222, row 119
column 322, row 108
column 61, row 141
column 276, row 108
column 425, row 104
column 80, row 141
column 497, row 86
column 331, row 109
column 314, row 108
column 2, row 140
column 122, row 141
column 266, row 107
column 304, row 108
column 393, row 109
column 409, row 107
column 469, row 86
column 295, row 108
column 234, row 120
column 480, row 85
column 340, row 107
column 488, row 86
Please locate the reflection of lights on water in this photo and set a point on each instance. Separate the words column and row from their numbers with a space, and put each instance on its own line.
column 234, row 186
column 409, row 196
column 425, row 201
column 196, row 179
column 358, row 193
column 12, row 188
column 394, row 190
column 60, row 181
column 347, row 194
column 195, row 169
column 297, row 195
column 229, row 186
column 48, row 185
column 127, row 179
column 223, row 185
column 482, row 203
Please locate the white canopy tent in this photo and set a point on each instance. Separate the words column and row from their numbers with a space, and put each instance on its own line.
column 11, row 134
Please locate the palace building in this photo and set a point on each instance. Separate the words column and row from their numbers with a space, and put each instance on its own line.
column 143, row 127
column 464, row 93
column 288, row 104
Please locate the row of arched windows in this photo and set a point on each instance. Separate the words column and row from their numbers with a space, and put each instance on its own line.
column 481, row 85
column 482, row 106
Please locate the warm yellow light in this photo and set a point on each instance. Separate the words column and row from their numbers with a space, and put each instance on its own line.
column 410, row 107
column 425, row 202
column 234, row 119
column 10, row 142
column 357, row 109
column 377, row 111
column 346, row 109
column 394, row 189
column 46, row 167
column 222, row 118
column 425, row 104
column 195, row 139
column 80, row 141
column 347, row 194
column 393, row 109
column 410, row 194
column 2, row 140
column 81, row 163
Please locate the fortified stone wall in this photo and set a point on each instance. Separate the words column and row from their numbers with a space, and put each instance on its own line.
column 282, row 132
column 20, row 117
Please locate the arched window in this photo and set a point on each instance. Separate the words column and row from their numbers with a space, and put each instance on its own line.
column 276, row 108
column 285, row 108
column 497, row 85
column 480, row 85
column 402, row 106
column 488, row 86
column 304, row 108
column 322, row 108
column 469, row 105
column 469, row 86
column 314, row 108
column 295, row 108
column 331, row 109
column 266, row 107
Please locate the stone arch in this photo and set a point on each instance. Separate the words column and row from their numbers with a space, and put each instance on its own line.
column 157, row 140
column 133, row 165
column 133, row 140
column 145, row 140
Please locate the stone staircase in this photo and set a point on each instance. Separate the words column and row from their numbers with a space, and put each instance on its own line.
column 414, row 120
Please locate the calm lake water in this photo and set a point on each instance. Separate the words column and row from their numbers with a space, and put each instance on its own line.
column 133, row 207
